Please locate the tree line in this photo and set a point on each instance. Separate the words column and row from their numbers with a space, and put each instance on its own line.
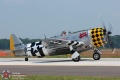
column 114, row 41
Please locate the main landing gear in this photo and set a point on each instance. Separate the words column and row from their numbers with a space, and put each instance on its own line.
column 76, row 59
column 97, row 54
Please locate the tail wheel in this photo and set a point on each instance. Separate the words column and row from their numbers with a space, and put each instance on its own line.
column 76, row 59
column 26, row 59
column 96, row 56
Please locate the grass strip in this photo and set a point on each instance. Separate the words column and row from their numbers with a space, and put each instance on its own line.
column 44, row 77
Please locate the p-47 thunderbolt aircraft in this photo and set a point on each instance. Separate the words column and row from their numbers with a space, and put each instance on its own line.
column 74, row 43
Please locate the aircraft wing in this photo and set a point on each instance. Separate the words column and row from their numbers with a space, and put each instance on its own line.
column 60, row 43
column 57, row 44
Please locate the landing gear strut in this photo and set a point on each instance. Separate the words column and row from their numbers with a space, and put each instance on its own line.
column 76, row 59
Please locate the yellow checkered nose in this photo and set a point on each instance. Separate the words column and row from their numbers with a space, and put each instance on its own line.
column 97, row 35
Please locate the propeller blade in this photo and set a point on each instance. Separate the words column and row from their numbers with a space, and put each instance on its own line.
column 110, row 27
column 111, row 44
column 107, row 33
column 103, row 24
column 113, row 51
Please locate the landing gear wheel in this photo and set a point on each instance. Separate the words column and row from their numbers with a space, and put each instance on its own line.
column 76, row 59
column 96, row 56
column 26, row 59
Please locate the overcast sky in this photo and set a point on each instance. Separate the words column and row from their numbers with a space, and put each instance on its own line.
column 34, row 18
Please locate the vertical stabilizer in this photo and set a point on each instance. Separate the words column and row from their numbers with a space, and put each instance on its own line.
column 15, row 43
column 16, row 46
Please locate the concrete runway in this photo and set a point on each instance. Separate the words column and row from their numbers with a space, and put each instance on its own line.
column 60, row 62
column 62, row 66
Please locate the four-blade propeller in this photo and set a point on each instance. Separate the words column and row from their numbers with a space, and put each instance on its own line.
column 107, row 33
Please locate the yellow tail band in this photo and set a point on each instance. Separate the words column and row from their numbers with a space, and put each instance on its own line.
column 12, row 44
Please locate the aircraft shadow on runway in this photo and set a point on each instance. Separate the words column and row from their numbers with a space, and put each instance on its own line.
column 46, row 61
column 52, row 61
column 11, row 60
